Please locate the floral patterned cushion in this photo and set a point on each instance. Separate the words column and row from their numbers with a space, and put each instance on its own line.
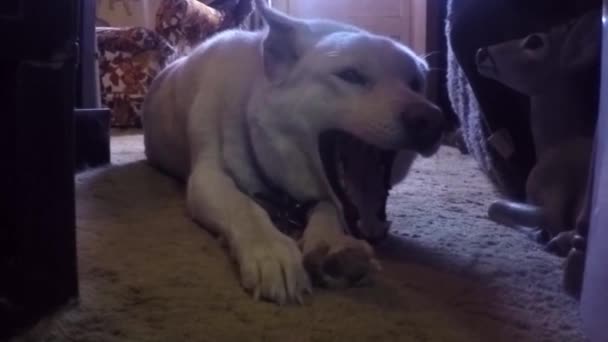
column 129, row 59
column 186, row 23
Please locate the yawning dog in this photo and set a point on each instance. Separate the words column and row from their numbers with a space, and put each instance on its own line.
column 323, row 114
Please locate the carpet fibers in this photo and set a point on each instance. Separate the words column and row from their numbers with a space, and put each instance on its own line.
column 148, row 273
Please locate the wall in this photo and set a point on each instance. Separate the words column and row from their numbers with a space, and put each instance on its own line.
column 127, row 12
column 419, row 26
column 404, row 20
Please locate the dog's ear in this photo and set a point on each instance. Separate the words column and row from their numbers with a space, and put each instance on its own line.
column 280, row 47
column 582, row 44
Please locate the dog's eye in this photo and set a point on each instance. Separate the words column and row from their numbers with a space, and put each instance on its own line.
column 353, row 76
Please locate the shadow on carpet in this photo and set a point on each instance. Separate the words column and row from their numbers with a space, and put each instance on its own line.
column 148, row 273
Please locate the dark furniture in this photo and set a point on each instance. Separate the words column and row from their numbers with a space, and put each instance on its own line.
column 46, row 71
column 92, row 137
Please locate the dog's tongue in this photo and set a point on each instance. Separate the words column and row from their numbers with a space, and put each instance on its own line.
column 363, row 175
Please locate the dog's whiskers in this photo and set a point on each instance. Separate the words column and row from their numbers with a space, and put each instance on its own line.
column 429, row 54
column 333, row 54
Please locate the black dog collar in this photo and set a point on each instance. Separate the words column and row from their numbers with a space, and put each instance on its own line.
column 289, row 215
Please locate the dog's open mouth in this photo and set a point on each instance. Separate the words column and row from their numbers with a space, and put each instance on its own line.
column 360, row 177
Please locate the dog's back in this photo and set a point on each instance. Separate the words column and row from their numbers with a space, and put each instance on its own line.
column 218, row 72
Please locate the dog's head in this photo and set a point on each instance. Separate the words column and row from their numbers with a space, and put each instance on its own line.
column 358, row 94
column 533, row 63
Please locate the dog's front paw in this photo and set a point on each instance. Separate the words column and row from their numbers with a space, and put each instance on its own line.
column 339, row 264
column 272, row 269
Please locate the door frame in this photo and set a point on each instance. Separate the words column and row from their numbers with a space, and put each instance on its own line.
column 594, row 298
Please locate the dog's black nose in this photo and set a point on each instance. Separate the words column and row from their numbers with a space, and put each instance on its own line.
column 423, row 116
column 424, row 123
column 481, row 56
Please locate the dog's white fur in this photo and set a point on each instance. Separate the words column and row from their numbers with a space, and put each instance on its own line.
column 270, row 94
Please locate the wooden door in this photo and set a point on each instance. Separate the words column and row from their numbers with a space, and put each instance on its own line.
column 403, row 20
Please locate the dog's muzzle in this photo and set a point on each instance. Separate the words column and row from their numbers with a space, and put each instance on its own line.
column 360, row 173
column 425, row 125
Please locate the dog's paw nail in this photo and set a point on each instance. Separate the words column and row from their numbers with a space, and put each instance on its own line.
column 307, row 290
column 376, row 265
column 300, row 300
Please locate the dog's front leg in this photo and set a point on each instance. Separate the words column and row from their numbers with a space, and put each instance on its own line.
column 332, row 258
column 269, row 262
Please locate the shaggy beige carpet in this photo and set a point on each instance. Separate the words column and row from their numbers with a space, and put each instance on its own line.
column 148, row 273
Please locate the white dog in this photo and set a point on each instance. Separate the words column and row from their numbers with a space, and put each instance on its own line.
column 310, row 110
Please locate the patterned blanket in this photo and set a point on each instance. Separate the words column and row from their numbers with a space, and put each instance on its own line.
column 130, row 57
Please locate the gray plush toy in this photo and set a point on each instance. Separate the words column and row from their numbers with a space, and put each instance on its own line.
column 552, row 68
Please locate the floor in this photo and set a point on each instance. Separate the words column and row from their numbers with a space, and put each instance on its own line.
column 148, row 273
